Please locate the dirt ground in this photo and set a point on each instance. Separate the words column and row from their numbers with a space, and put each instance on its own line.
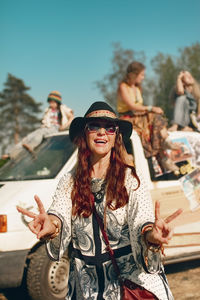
column 183, row 280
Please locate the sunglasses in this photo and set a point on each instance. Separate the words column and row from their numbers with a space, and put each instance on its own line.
column 94, row 127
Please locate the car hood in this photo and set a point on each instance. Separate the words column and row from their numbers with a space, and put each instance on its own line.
column 22, row 193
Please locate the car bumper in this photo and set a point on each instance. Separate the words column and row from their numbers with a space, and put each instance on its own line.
column 12, row 264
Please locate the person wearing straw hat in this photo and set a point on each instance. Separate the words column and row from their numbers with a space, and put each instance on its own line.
column 57, row 117
column 103, row 186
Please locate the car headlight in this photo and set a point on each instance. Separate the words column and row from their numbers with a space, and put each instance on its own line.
column 3, row 223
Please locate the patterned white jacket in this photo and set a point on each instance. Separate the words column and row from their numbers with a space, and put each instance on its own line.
column 137, row 213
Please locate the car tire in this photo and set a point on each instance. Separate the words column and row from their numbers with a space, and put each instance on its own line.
column 47, row 279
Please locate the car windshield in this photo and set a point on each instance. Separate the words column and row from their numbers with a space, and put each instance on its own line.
column 47, row 161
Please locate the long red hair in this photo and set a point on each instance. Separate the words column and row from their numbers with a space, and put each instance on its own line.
column 116, row 193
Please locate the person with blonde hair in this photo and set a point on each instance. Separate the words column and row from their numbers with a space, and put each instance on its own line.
column 187, row 103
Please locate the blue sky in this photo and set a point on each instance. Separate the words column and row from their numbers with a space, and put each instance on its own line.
column 66, row 45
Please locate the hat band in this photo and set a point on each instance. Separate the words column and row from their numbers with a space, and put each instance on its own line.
column 101, row 113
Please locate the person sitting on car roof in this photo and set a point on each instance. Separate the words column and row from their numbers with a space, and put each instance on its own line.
column 186, row 95
column 57, row 117
column 148, row 121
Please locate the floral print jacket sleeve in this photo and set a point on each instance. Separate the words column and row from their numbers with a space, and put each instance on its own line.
column 137, row 213
column 140, row 213
column 61, row 207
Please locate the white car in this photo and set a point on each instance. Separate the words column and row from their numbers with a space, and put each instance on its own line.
column 23, row 258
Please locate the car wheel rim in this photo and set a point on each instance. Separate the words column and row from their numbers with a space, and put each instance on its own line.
column 58, row 276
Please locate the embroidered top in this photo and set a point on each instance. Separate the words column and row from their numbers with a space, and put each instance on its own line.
column 91, row 271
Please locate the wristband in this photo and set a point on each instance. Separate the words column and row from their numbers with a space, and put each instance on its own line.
column 57, row 231
column 149, row 108
column 151, row 246
column 146, row 228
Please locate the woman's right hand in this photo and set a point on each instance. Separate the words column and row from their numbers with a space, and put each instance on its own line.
column 42, row 224
column 157, row 110
column 162, row 232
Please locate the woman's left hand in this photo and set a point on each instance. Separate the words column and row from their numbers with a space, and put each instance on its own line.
column 161, row 232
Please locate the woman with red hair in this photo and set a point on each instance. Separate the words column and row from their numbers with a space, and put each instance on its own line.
column 103, row 198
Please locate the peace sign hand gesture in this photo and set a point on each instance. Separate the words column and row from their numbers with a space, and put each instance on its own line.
column 161, row 232
column 43, row 225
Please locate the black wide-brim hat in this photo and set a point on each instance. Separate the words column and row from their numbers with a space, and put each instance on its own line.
column 99, row 110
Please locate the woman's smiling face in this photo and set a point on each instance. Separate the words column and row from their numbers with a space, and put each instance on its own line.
column 100, row 137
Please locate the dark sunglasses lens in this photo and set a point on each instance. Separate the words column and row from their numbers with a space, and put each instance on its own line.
column 110, row 129
column 94, row 127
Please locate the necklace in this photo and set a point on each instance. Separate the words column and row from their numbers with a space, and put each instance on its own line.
column 96, row 184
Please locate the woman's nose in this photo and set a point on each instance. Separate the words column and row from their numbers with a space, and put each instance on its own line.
column 101, row 130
